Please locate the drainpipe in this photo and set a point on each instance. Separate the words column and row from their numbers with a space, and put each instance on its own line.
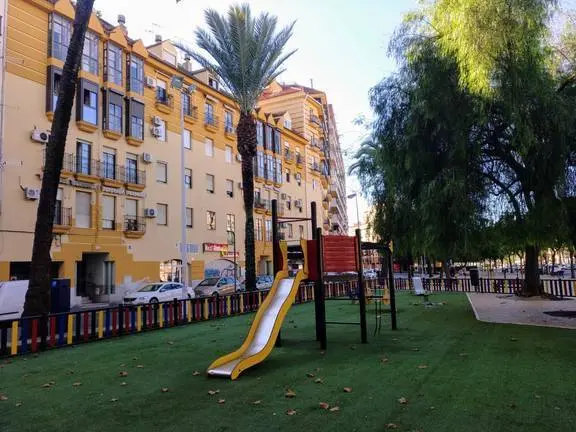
column 2, row 98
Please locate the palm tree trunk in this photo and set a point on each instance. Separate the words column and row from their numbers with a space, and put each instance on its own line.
column 38, row 294
column 246, row 134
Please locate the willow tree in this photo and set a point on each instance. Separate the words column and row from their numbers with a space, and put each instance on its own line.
column 38, row 295
column 246, row 53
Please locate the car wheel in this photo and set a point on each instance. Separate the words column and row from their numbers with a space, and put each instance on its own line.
column 153, row 300
column 189, row 297
column 215, row 293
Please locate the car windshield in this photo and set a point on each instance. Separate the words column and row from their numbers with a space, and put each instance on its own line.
column 209, row 282
column 150, row 288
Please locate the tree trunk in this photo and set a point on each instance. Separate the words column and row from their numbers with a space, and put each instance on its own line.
column 571, row 264
column 532, row 272
column 246, row 133
column 38, row 294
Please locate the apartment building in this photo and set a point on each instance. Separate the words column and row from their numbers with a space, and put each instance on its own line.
column 118, row 215
column 312, row 117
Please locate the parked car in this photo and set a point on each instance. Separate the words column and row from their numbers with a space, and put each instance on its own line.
column 12, row 296
column 370, row 274
column 157, row 292
column 264, row 282
column 217, row 285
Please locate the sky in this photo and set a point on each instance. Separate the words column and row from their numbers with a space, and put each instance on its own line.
column 341, row 46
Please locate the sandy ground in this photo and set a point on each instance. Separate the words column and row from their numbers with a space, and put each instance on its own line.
column 511, row 309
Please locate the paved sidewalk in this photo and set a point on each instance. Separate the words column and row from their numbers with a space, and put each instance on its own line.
column 510, row 309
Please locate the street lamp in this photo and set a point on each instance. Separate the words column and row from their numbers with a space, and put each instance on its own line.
column 177, row 83
column 355, row 195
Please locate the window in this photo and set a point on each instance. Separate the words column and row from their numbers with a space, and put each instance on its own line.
column 161, row 172
column 136, row 75
column 228, row 154
column 209, row 147
column 61, row 33
column 228, row 123
column 161, row 129
column 108, row 212
column 83, row 158
column 188, row 178
column 288, row 202
column 260, row 134
column 90, row 53
column 287, row 176
column 136, row 116
column 258, row 233
column 87, row 103
column 260, row 165
column 277, row 142
column 298, row 178
column 268, row 230
column 209, row 183
column 189, row 217
column 131, row 168
column 290, row 231
column 58, row 216
column 301, row 231
column 212, row 82
column 131, row 215
column 211, row 220
column 83, row 209
column 54, row 79
column 288, row 125
column 270, row 168
column 186, row 104
column 230, row 222
column 187, row 139
column 109, row 163
column 162, row 214
column 268, row 138
column 314, row 185
column 209, row 114
column 114, row 64
column 161, row 94
column 278, row 178
column 230, row 188
column 257, row 195
column 113, row 117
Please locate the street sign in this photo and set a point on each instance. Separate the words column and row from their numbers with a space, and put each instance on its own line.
column 191, row 248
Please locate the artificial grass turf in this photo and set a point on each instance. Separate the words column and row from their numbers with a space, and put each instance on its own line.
column 478, row 377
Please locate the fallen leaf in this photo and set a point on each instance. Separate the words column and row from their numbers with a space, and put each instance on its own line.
column 557, row 408
column 257, row 402
column 415, row 349
column 537, row 396
column 353, row 347
column 322, row 352
column 134, row 358
column 319, row 381
column 47, row 385
column 7, row 361
column 423, row 366
column 310, row 375
column 463, row 354
column 513, row 339
column 221, row 401
column 403, row 400
column 384, row 360
column 290, row 412
column 52, row 382
column 123, row 365
column 213, row 392
column 70, row 372
column 164, row 389
column 195, row 373
column 139, row 366
column 123, row 383
column 290, row 394
column 19, row 404
column 324, row 405
column 76, row 384
column 170, row 343
column 390, row 426
column 114, row 400
column 347, row 389
column 3, row 397
column 123, row 373
column 335, row 408
column 395, row 339
column 432, row 407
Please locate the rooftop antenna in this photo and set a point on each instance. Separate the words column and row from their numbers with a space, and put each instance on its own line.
column 311, row 83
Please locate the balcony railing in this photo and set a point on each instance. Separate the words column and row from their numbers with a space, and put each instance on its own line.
column 288, row 155
column 134, row 176
column 63, row 216
column 134, row 224
column 260, row 203
column 315, row 119
column 299, row 159
column 165, row 99
column 191, row 111
column 210, row 120
column 229, row 129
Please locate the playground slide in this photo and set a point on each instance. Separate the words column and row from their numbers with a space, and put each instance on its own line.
column 265, row 328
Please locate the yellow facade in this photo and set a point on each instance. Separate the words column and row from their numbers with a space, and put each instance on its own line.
column 105, row 236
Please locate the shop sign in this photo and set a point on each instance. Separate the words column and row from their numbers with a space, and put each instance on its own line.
column 215, row 247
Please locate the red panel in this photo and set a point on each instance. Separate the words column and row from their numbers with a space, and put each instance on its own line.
column 340, row 254
column 312, row 260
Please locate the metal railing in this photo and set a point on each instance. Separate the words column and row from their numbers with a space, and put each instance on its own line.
column 210, row 120
column 134, row 224
column 63, row 216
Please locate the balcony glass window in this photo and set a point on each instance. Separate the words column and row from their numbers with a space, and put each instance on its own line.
column 228, row 123
column 136, row 75
column 109, row 165
column 187, row 139
column 260, row 134
column 209, row 183
column 258, row 230
column 209, row 114
column 83, row 157
column 114, row 66
column 230, row 188
column 61, row 33
column 162, row 214
column 90, row 53
column 230, row 222
column 108, row 212
column 161, row 93
column 114, row 117
column 268, row 230
column 209, row 147
column 57, row 80
column 90, row 106
column 228, row 154
column 187, row 104
column 211, row 220
column 137, row 127
column 188, row 178
column 131, row 169
column 83, row 209
column 260, row 166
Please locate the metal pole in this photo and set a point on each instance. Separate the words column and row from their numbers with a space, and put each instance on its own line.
column 183, row 237
column 317, row 312
column 392, row 289
column 321, row 300
column 275, row 257
column 234, row 246
column 361, row 293
column 313, row 217
column 357, row 211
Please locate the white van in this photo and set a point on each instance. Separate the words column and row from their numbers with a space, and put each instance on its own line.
column 12, row 296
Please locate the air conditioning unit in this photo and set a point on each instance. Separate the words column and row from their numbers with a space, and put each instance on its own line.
column 230, row 194
column 40, row 136
column 150, row 82
column 156, row 131
column 240, row 185
column 239, row 157
column 190, row 89
column 283, row 196
column 32, row 193
column 298, row 176
column 147, row 158
column 156, row 120
column 150, row 212
column 298, row 203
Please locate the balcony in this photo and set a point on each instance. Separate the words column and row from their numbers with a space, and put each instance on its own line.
column 210, row 122
column 260, row 205
column 62, row 219
column 191, row 114
column 288, row 156
column 164, row 103
column 229, row 130
column 314, row 119
column 112, row 175
column 135, row 179
column 299, row 160
column 134, row 226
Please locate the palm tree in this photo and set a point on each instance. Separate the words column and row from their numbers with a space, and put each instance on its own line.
column 246, row 53
column 38, row 294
